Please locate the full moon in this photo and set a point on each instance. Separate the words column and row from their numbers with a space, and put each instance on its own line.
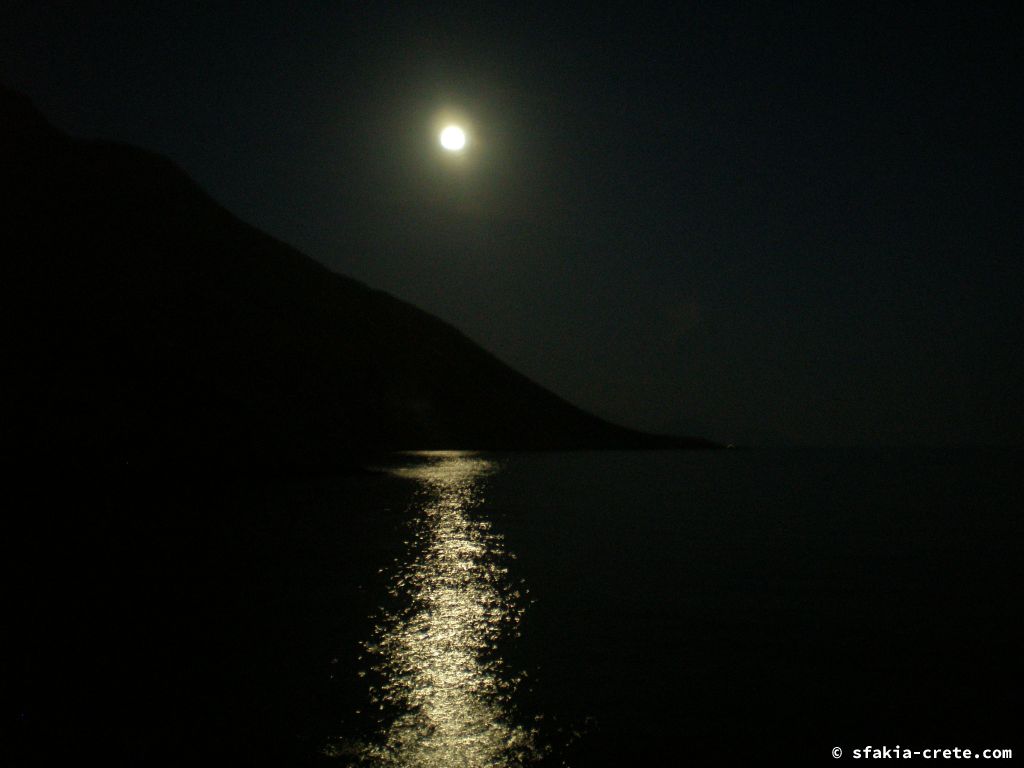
column 453, row 138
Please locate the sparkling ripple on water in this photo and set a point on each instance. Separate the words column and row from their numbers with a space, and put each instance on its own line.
column 444, row 691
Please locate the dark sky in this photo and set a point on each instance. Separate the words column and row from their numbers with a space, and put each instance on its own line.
column 767, row 223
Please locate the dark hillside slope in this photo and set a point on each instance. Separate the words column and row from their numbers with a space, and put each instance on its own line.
column 144, row 323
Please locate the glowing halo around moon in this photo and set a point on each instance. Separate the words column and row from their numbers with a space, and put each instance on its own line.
column 453, row 138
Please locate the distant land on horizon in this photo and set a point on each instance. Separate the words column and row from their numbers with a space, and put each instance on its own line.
column 146, row 325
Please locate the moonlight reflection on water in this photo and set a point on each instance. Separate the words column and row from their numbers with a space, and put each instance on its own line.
column 444, row 690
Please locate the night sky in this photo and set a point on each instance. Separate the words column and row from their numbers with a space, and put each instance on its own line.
column 769, row 224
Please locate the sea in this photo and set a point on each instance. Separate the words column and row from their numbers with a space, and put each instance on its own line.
column 464, row 609
column 653, row 608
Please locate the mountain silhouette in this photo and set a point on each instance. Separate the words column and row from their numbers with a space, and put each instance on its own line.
column 146, row 324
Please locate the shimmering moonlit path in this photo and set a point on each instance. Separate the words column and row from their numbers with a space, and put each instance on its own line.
column 444, row 690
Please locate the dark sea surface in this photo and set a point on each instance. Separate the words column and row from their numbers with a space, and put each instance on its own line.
column 589, row 609
column 731, row 604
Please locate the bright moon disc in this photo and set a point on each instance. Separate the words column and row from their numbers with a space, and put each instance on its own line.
column 453, row 138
